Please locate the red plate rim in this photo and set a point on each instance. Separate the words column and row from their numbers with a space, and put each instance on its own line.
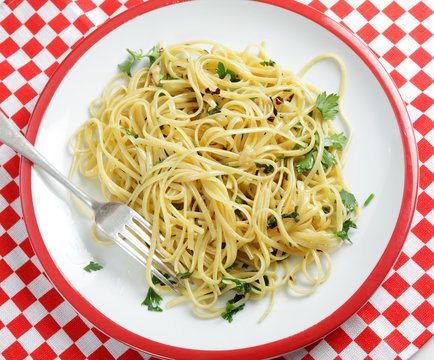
column 278, row 347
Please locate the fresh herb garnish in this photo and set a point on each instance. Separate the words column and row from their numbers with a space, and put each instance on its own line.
column 222, row 72
column 336, row 140
column 92, row 266
column 238, row 200
column 152, row 300
column 325, row 209
column 185, row 275
column 368, row 200
column 128, row 132
column 271, row 222
column 305, row 164
column 292, row 215
column 231, row 310
column 215, row 110
column 327, row 105
column 328, row 159
column 231, row 266
column 240, row 286
column 267, row 63
column 267, row 168
column 343, row 234
column 348, row 200
column 153, row 54
column 132, row 59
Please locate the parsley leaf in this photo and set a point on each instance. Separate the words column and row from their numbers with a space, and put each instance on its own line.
column 267, row 63
column 271, row 222
column 215, row 110
column 328, row 158
column 240, row 286
column 335, row 140
column 343, row 234
column 128, row 132
column 327, row 105
column 153, row 54
column 267, row 168
column 152, row 300
column 222, row 72
column 348, row 200
column 305, row 164
column 292, row 215
column 368, row 200
column 238, row 200
column 231, row 310
column 132, row 59
column 92, row 266
column 185, row 275
column 165, row 77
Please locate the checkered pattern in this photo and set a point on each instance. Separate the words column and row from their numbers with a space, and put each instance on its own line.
column 36, row 322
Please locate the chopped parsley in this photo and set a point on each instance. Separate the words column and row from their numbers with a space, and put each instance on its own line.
column 241, row 286
column 271, row 222
column 328, row 159
column 368, row 200
column 165, row 77
column 215, row 110
column 185, row 275
column 92, row 266
column 348, row 200
column 231, row 309
column 132, row 59
column 305, row 164
column 325, row 209
column 267, row 168
column 153, row 54
column 267, row 63
column 336, row 140
column 152, row 301
column 327, row 105
column 292, row 215
column 128, row 132
column 222, row 72
column 343, row 234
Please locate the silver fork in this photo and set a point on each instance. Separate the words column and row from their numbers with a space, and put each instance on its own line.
column 114, row 220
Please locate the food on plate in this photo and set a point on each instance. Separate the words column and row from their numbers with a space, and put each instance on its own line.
column 234, row 160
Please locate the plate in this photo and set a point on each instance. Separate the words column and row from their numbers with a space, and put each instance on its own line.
column 382, row 159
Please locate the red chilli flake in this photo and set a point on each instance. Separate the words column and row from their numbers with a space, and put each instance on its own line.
column 217, row 91
column 279, row 100
column 290, row 98
column 207, row 90
column 271, row 118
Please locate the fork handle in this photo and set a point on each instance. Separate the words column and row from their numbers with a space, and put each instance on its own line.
column 11, row 136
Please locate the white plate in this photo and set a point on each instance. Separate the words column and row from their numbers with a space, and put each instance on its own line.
column 382, row 160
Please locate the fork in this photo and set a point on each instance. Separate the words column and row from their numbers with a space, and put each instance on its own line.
column 114, row 220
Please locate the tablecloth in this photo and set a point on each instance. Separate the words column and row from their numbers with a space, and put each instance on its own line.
column 36, row 322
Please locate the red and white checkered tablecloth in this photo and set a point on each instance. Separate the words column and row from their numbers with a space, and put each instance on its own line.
column 35, row 321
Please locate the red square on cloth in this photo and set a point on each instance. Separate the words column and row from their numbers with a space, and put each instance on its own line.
column 4, row 92
column 424, row 204
column 27, row 248
column 423, row 102
column 7, row 244
column 402, row 259
column 21, row 118
column 130, row 355
column 422, row 339
column 23, row 299
column 76, row 328
column 424, row 125
column 29, row 71
column 83, row 24
column 57, row 47
column 10, row 23
column 5, row 69
column 342, row 8
column 32, row 47
column 368, row 340
column 86, row 5
column 394, row 56
column 43, row 352
column 8, row 218
column 395, row 285
column 28, row 272
column 421, row 57
column 422, row 81
column 73, row 353
column 10, row 192
column 34, row 24
column 15, row 352
column 424, row 258
column 47, row 327
column 393, row 11
column 368, row 313
column 421, row 11
column 12, row 166
column 424, row 230
column 5, row 270
column 59, row 23
column 426, row 176
column 424, row 286
column 25, row 93
column 338, row 340
column 110, row 6
column 394, row 33
column 100, row 354
column 424, row 314
column 3, row 297
column 397, row 341
column 426, row 150
column 19, row 326
column 396, row 314
column 368, row 10
column 421, row 34
column 367, row 33
column 51, row 300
